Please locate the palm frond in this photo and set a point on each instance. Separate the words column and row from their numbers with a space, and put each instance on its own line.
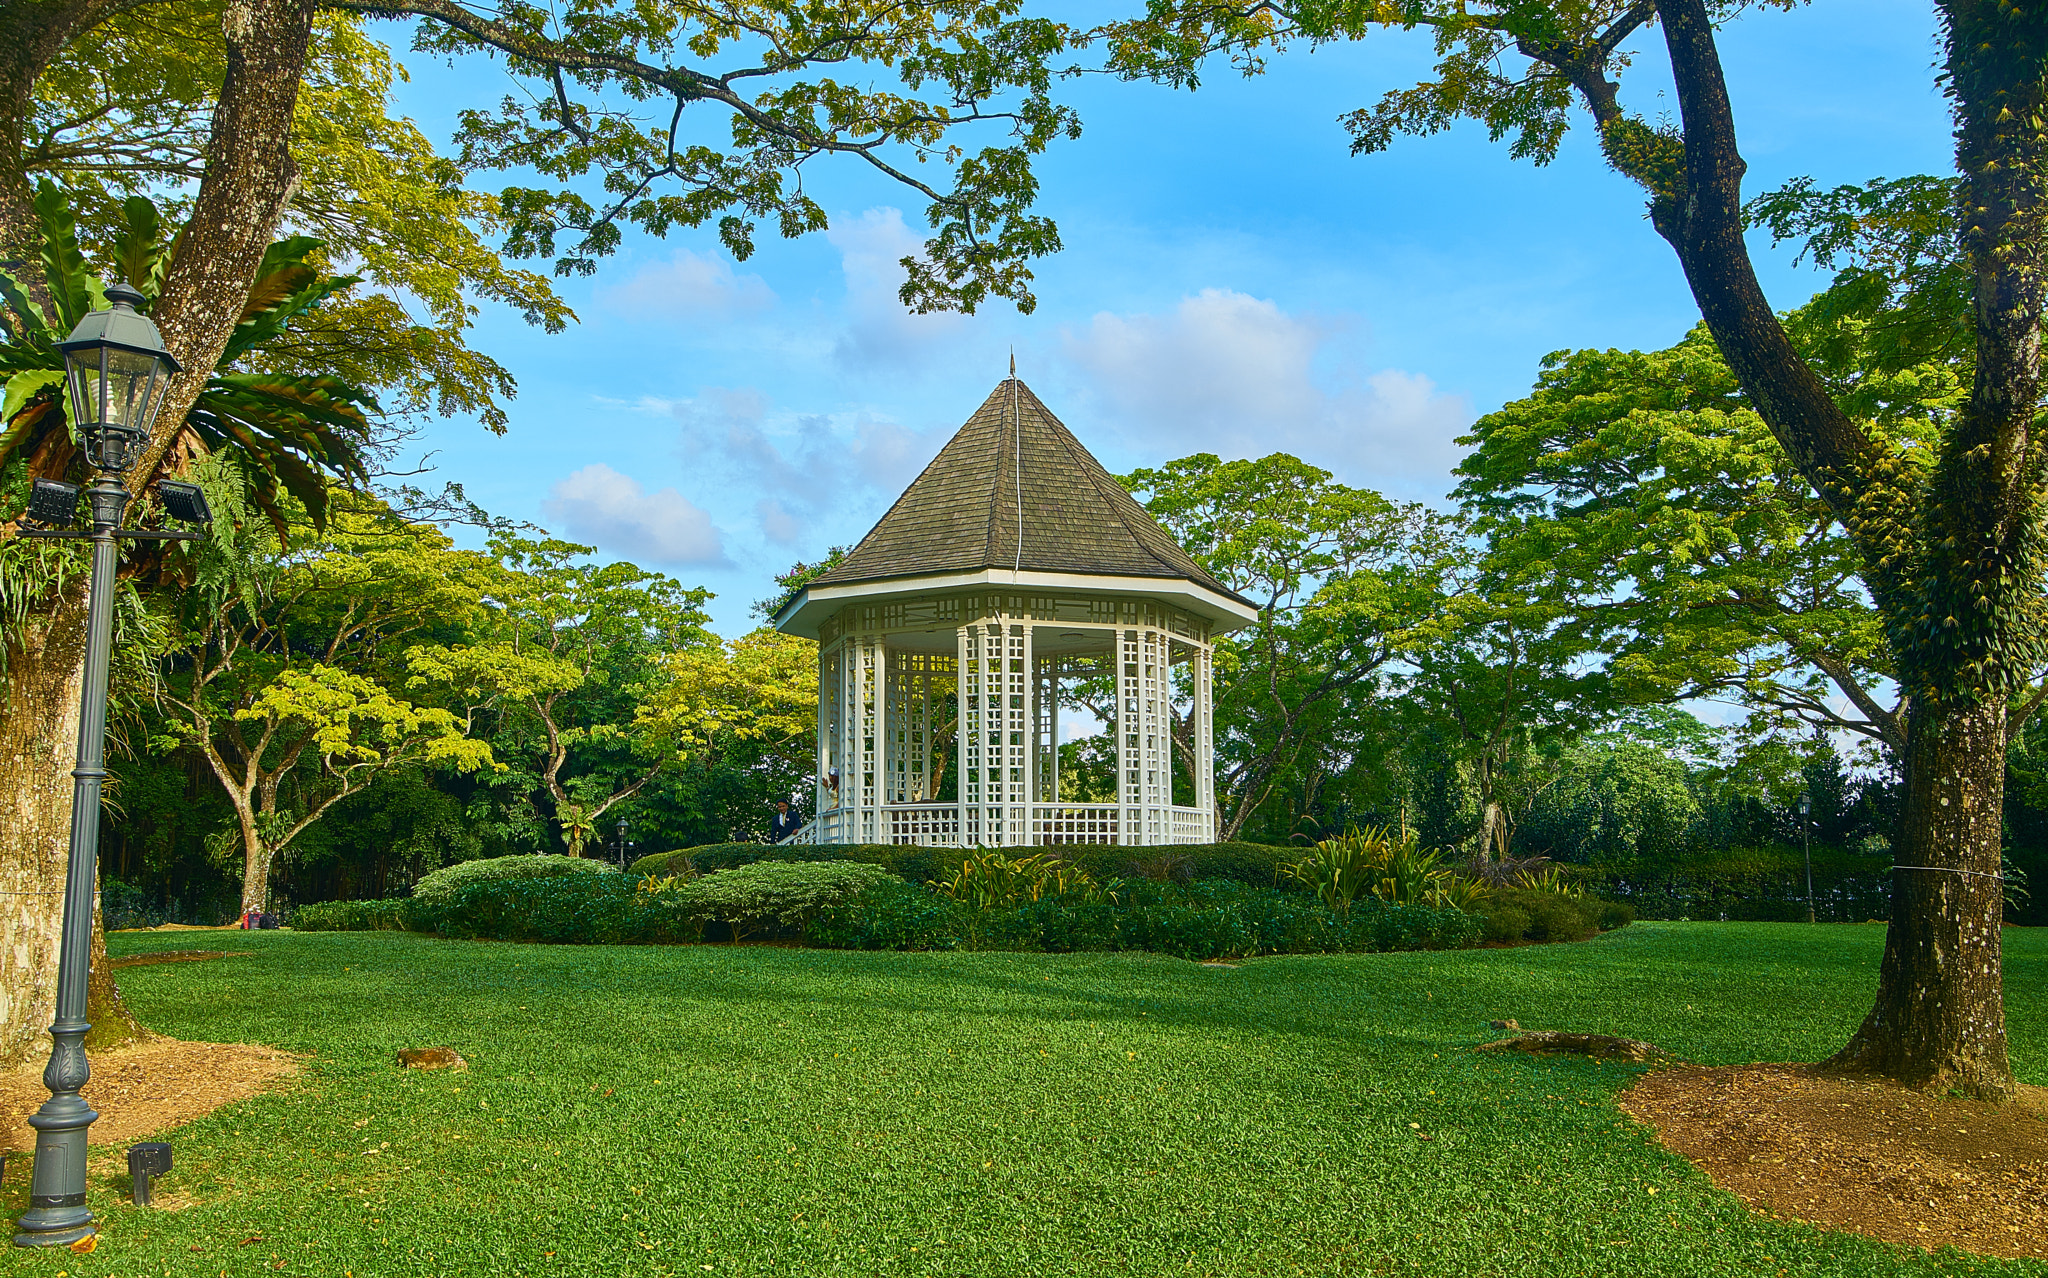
column 139, row 252
column 72, row 289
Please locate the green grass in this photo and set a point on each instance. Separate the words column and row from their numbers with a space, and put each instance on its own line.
column 699, row 1110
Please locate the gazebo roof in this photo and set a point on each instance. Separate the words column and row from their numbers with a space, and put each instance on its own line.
column 961, row 514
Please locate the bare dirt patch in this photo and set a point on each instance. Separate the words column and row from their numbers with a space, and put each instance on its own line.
column 1861, row 1155
column 146, row 1087
column 174, row 956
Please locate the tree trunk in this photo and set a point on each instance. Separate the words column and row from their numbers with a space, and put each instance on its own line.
column 38, row 748
column 112, row 1022
column 255, row 866
column 1939, row 1020
column 249, row 176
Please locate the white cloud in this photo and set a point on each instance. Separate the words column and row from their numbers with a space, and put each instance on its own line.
column 693, row 286
column 1236, row 375
column 880, row 330
column 613, row 512
column 777, row 524
column 807, row 468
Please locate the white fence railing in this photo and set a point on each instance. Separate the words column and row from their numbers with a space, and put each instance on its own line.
column 939, row 825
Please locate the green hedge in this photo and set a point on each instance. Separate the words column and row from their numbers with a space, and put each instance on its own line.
column 1514, row 915
column 1255, row 864
column 350, row 916
column 573, row 909
column 1207, row 919
column 1753, row 885
column 778, row 895
column 444, row 883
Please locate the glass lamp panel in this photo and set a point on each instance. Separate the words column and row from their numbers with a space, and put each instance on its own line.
column 131, row 389
column 82, row 391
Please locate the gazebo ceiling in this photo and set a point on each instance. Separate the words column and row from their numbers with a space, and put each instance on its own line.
column 958, row 524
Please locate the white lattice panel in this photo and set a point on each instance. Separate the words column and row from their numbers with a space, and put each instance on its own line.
column 1074, row 823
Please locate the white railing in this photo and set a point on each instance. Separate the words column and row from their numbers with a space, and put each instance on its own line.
column 1191, row 825
column 923, row 824
column 1054, row 823
column 939, row 825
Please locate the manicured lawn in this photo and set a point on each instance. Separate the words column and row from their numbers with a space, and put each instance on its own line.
column 704, row 1110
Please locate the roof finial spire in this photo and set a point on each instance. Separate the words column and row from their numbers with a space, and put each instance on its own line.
column 1013, row 363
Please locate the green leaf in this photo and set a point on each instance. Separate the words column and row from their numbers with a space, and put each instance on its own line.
column 71, row 288
column 22, row 387
column 32, row 326
column 139, row 248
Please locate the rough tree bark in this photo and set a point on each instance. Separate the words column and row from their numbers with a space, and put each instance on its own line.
column 1939, row 1018
column 239, row 204
column 1951, row 561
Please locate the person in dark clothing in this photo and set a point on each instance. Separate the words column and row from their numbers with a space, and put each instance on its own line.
column 785, row 823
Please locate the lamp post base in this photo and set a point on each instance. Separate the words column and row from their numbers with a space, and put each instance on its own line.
column 57, row 1215
column 57, row 1237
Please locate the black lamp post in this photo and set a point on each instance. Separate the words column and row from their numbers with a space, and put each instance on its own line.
column 1806, row 847
column 116, row 371
column 622, row 845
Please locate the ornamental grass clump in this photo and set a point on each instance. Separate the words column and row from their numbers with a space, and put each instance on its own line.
column 782, row 894
column 990, row 880
column 1377, row 863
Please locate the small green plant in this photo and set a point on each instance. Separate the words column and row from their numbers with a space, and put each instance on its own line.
column 1460, row 893
column 1551, row 879
column 1379, row 863
column 670, row 882
column 990, row 880
column 1338, row 869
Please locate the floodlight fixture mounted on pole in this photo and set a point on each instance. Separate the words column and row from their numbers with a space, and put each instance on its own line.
column 116, row 374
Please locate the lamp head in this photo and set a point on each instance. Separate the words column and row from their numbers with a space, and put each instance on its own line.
column 116, row 372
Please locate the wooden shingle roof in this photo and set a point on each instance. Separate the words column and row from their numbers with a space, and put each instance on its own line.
column 961, row 514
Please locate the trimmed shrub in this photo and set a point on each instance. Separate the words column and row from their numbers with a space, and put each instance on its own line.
column 889, row 915
column 1505, row 923
column 1529, row 914
column 350, row 916
column 1203, row 920
column 444, row 883
column 1614, row 914
column 1254, row 864
column 562, row 909
column 789, row 894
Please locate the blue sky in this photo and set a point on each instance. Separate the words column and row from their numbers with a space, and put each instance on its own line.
column 1234, row 282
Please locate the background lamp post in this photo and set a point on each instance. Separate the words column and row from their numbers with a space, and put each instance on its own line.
column 116, row 371
column 1806, row 847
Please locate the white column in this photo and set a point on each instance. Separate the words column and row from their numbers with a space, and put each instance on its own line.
column 1018, row 694
column 1155, row 725
column 1203, row 662
column 828, row 734
column 1130, row 788
column 862, row 781
column 972, row 737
